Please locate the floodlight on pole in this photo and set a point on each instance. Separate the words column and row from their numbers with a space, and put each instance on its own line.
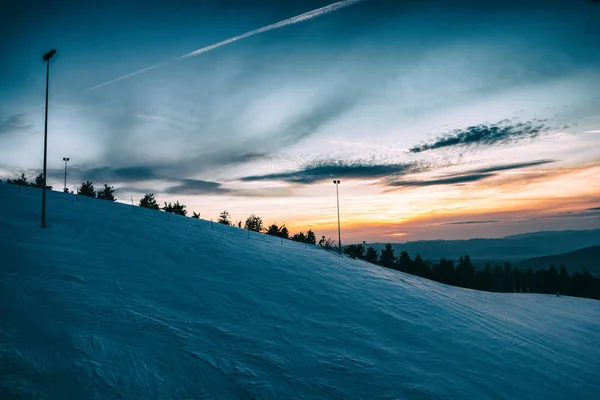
column 337, row 192
column 66, row 160
column 47, row 58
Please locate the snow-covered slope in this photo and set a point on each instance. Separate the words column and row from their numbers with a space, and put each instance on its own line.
column 108, row 304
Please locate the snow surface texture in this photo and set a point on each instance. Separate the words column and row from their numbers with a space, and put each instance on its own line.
column 109, row 304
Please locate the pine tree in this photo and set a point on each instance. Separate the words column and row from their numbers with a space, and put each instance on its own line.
column 465, row 272
column 273, row 230
column 224, row 218
column 310, row 237
column 87, row 189
column 254, row 223
column 39, row 182
column 387, row 258
column 195, row 215
column 355, row 250
column 148, row 201
column 284, row 233
column 175, row 208
column 107, row 193
column 405, row 263
column 299, row 237
column 371, row 255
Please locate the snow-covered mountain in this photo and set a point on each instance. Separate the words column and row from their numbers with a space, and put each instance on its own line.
column 112, row 301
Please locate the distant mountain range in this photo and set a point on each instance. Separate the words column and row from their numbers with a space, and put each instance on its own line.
column 588, row 257
column 510, row 248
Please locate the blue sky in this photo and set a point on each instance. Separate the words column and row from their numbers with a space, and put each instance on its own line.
column 431, row 113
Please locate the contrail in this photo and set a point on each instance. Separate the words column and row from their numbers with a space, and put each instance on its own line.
column 290, row 21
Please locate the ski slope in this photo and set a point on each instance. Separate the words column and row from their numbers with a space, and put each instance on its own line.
column 111, row 304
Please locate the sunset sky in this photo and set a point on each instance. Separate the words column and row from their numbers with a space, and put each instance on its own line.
column 443, row 119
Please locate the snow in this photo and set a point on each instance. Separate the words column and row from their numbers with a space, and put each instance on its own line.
column 107, row 303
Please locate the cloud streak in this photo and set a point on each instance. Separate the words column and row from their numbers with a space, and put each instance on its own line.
column 485, row 135
column 290, row 21
column 328, row 170
column 14, row 123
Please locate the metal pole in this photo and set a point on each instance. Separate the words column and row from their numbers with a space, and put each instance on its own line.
column 45, row 145
column 337, row 192
column 66, row 160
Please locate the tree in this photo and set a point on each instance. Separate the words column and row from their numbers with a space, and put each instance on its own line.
column 405, row 263
column 421, row 267
column 148, row 201
column 310, row 237
column 224, row 218
column 107, row 193
column 195, row 215
column 284, row 233
column 299, row 237
column 387, row 256
column 87, row 189
column 39, row 182
column 254, row 223
column 443, row 272
column 175, row 208
column 371, row 255
column 22, row 181
column 465, row 272
column 273, row 230
column 355, row 250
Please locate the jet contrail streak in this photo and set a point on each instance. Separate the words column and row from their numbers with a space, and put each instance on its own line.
column 124, row 77
column 290, row 21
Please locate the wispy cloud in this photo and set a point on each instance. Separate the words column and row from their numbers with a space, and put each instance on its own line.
column 195, row 187
column 464, row 177
column 491, row 221
column 451, row 180
column 506, row 167
column 485, row 135
column 290, row 21
column 329, row 170
column 14, row 123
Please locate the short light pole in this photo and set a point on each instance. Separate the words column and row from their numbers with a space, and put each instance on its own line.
column 47, row 58
column 337, row 192
column 66, row 160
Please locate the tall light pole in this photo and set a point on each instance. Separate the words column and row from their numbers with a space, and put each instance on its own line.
column 337, row 192
column 47, row 58
column 66, row 160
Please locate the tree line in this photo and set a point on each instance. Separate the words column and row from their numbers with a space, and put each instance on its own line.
column 252, row 223
column 498, row 278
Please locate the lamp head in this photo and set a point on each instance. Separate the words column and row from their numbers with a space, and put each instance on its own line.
column 49, row 55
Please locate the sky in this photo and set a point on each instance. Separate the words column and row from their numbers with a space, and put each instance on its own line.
column 442, row 119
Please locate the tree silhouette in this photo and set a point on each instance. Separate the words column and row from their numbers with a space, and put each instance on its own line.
column 195, row 215
column 371, row 255
column 387, row 258
column 39, row 182
column 355, row 251
column 148, row 201
column 224, row 218
column 87, row 189
column 21, row 181
column 254, row 223
column 299, row 237
column 175, row 208
column 405, row 264
column 284, row 233
column 107, row 193
column 310, row 237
